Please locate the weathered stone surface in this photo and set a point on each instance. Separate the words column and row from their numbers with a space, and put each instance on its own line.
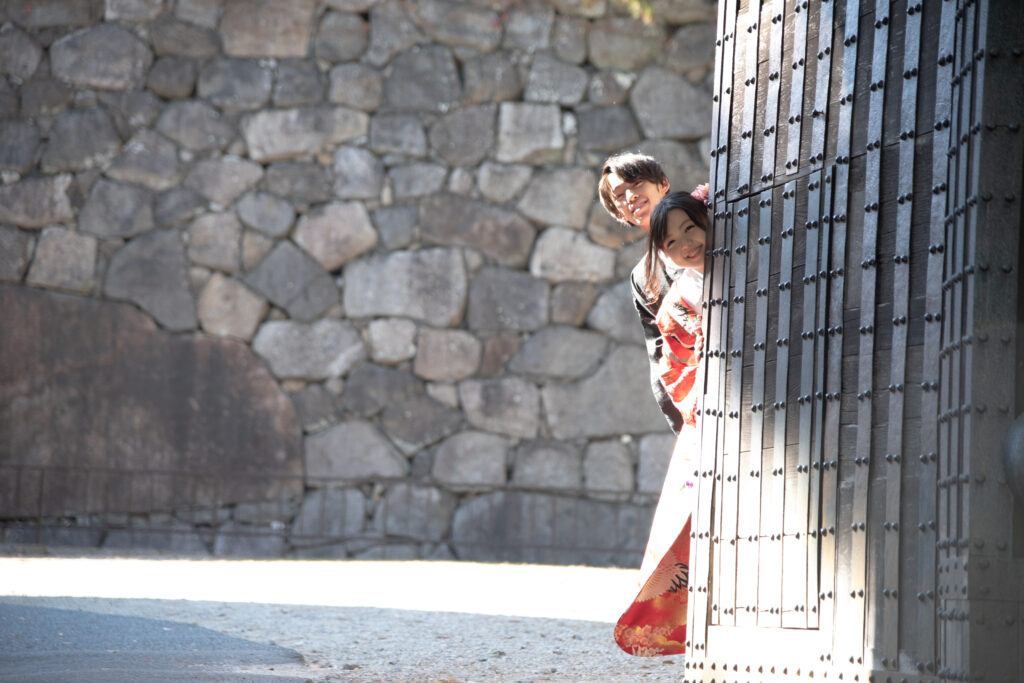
column 397, row 225
column 591, row 9
column 352, row 450
column 608, row 232
column 235, row 84
column 392, row 340
column 530, row 133
column 255, row 247
column 336, row 233
column 507, row 405
column 16, row 247
column 195, row 125
column 351, row 5
column 464, row 137
column 607, row 129
column 297, row 83
column 563, row 255
column 491, row 77
column 131, row 110
column 64, row 260
column 39, row 97
column 302, row 183
column 358, row 173
column 458, row 221
column 505, row 299
column 292, row 280
column 610, row 87
column 685, row 164
column 177, row 538
column 669, row 106
column 607, row 467
column 413, row 511
column 614, row 400
column 19, row 53
column 326, row 348
column 215, row 241
column 571, row 302
column 628, row 257
column 683, row 11
column 423, row 78
column 560, row 352
column 150, row 271
column 547, row 464
column 690, row 51
column 498, row 350
column 623, row 43
column 529, row 29
column 357, row 86
column 267, row 28
column 501, row 182
column 286, row 133
column 615, row 315
column 19, row 145
column 200, row 12
column 148, row 159
column 446, row 355
column 36, row 202
column 270, row 215
column 552, row 80
column 230, row 309
column 341, row 37
column 176, row 206
column 569, row 39
column 391, row 32
column 116, row 209
column 183, row 39
column 235, row 539
column 133, row 10
column 471, row 461
column 428, row 285
column 397, row 134
column 417, row 180
column 371, row 388
column 654, row 455
column 80, row 139
column 559, row 196
column 225, row 179
column 328, row 513
column 419, row 421
column 456, row 23
column 105, row 56
column 315, row 407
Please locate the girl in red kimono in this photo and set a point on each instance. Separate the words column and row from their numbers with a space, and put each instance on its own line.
column 655, row 622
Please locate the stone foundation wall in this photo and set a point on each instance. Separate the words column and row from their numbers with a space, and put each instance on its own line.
column 330, row 278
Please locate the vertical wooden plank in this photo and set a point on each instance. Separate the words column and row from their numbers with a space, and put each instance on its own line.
column 771, row 111
column 749, row 30
column 798, row 66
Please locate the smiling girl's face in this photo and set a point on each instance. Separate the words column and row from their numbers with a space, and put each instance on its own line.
column 684, row 241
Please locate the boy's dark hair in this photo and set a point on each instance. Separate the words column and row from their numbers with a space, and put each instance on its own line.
column 696, row 209
column 631, row 167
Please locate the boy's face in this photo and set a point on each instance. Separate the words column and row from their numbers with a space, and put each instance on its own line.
column 684, row 242
column 636, row 200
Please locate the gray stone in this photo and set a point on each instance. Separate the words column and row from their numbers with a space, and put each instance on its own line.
column 148, row 159
column 351, row 5
column 106, row 57
column 9, row 98
column 452, row 220
column 297, row 83
column 255, row 247
column 16, row 247
column 614, row 400
column 505, row 299
column 547, row 464
column 563, row 255
column 529, row 29
column 133, row 10
column 183, row 39
column 54, row 13
column 552, row 80
column 371, row 388
column 492, row 77
column 215, row 241
column 591, row 9
column 341, row 37
column 460, row 181
column 328, row 514
column 36, row 202
column 397, row 134
column 326, row 348
column 131, row 110
column 683, row 11
column 615, row 316
column 315, row 407
column 80, row 139
column 507, row 405
column 267, row 28
column 292, row 280
column 204, row 13
column 64, row 260
column 261, row 211
column 235, row 84
column 628, row 257
column 176, row 206
column 273, row 513
column 19, row 53
column 19, row 145
column 684, row 163
column 417, row 180
column 669, row 106
column 225, row 179
column 418, row 422
column 195, row 125
column 569, row 40
column 391, row 32
column 40, row 97
column 456, row 23
column 607, row 468
column 610, row 87
column 530, row 133
column 230, row 309
column 559, row 196
column 607, row 129
column 285, row 133
column 611, row 233
column 234, row 539
column 624, row 43
column 336, row 233
column 428, row 285
column 471, row 461
column 396, row 225
column 465, row 136
column 498, row 350
column 418, row 512
column 446, row 355
column 653, row 456
column 560, row 352
column 301, row 183
column 423, row 78
column 392, row 340
column 501, row 182
column 571, row 302
column 690, row 50
column 358, row 174
column 176, row 538
column 357, row 86
column 116, row 209
column 150, row 271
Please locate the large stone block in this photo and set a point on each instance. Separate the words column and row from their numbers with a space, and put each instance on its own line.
column 132, row 110
column 19, row 145
column 458, row 24
column 560, row 196
column 507, row 405
column 224, row 179
column 183, row 39
column 270, row 215
column 427, row 285
column 292, row 280
column 301, row 183
column 501, row 182
column 608, row 468
column 317, row 351
column 530, row 133
column 392, row 340
column 684, row 162
column 267, row 28
column 615, row 315
column 341, row 37
column 571, row 302
column 336, row 233
column 288, row 133
column 669, row 106
column 19, row 53
column 446, row 355
column 358, row 173
column 36, row 202
column 425, row 79
column 560, row 352
column 453, row 220
column 64, row 260
column 230, row 309
column 39, row 97
column 417, row 180
column 150, row 271
column 563, row 255
column 133, row 10
column 80, row 139
column 493, row 77
column 607, row 129
column 529, row 29
column 653, row 457
column 547, row 464
column 176, row 206
column 52, row 13
column 328, row 514
column 215, row 241
column 297, row 83
column 356, row 85
column 350, row 451
column 391, row 32
column 16, row 247
column 148, row 159
column 624, row 43
column 471, row 461
column 371, row 388
column 235, row 84
column 412, row 511
column 105, row 56
column 116, row 209
column 195, row 125
column 552, row 80
column 398, row 134
column 418, row 422
column 569, row 39
column 465, row 136
column 505, row 299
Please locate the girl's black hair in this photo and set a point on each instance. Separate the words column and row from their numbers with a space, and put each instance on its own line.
column 696, row 209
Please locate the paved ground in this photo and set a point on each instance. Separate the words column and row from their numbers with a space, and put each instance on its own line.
column 147, row 619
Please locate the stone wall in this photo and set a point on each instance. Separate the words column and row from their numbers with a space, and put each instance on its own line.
column 330, row 278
